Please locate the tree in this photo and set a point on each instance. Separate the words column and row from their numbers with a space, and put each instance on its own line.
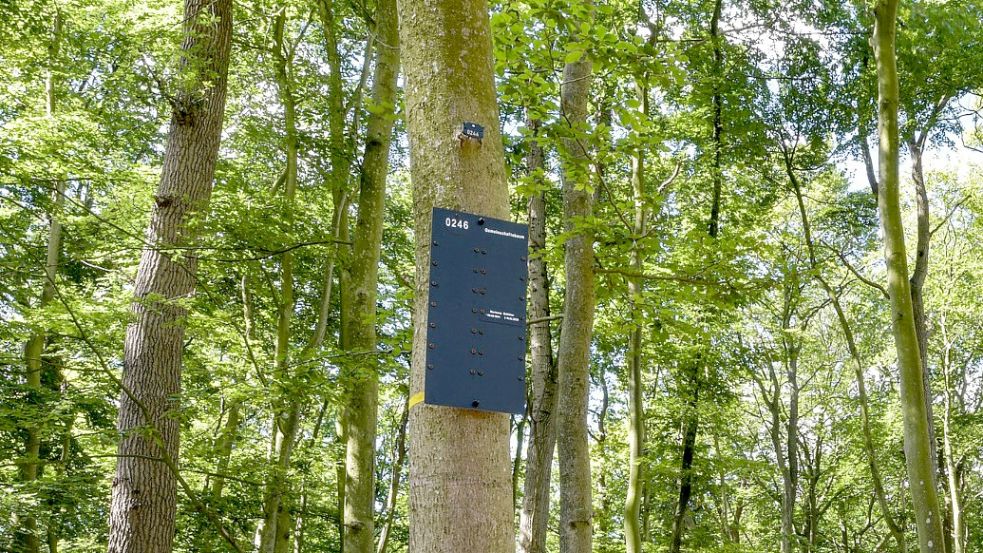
column 919, row 450
column 361, row 377
column 459, row 480
column 144, row 498
column 576, row 511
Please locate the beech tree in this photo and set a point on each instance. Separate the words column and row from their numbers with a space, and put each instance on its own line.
column 458, row 500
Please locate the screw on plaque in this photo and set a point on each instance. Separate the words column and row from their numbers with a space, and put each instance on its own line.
column 471, row 132
column 432, row 345
column 433, row 325
column 475, row 403
column 430, row 365
column 433, row 304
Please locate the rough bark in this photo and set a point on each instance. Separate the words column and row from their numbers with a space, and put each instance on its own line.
column 360, row 371
column 576, row 512
column 535, row 509
column 459, row 479
column 919, row 450
column 144, row 498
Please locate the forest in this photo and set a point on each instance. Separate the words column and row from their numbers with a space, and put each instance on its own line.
column 753, row 318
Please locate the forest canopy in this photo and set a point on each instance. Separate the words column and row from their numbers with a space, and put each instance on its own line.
column 753, row 319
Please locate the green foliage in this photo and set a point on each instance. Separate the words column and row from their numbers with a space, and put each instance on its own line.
column 722, row 318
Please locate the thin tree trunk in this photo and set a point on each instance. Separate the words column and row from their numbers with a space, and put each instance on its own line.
column 791, row 480
column 692, row 419
column 26, row 536
column 636, row 415
column 535, row 511
column 223, row 448
column 360, row 372
column 276, row 525
column 923, row 238
column 952, row 480
column 917, row 443
column 224, row 443
column 576, row 512
column 460, row 483
column 399, row 457
column 520, row 438
column 144, row 495
column 868, row 441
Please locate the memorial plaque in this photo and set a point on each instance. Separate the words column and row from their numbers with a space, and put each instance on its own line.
column 476, row 321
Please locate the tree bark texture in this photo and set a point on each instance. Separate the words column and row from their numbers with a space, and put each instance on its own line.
column 576, row 512
column 144, row 500
column 459, row 479
column 918, row 448
column 535, row 511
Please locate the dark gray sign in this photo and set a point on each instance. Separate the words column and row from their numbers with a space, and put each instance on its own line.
column 476, row 323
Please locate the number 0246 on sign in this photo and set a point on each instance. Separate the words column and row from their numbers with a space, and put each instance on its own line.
column 476, row 319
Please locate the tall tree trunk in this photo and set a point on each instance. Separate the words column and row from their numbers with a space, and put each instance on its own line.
column 535, row 511
column 520, row 438
column 460, row 483
column 636, row 415
column 144, row 495
column 223, row 448
column 691, row 424
column 923, row 238
column 360, row 370
column 692, row 415
column 917, row 443
column 224, row 443
column 576, row 513
column 276, row 527
column 26, row 537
